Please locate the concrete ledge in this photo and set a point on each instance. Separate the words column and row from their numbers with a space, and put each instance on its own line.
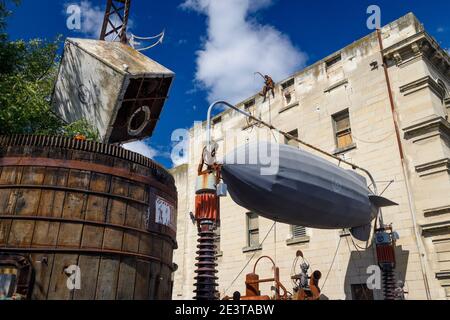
column 436, row 211
column 435, row 227
column 421, row 84
column 298, row 240
column 443, row 275
column 433, row 167
column 427, row 128
column 344, row 150
column 292, row 105
column 336, row 85
column 251, row 249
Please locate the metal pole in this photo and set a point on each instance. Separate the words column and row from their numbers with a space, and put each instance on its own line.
column 404, row 169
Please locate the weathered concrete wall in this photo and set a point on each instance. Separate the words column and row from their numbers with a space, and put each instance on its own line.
column 356, row 83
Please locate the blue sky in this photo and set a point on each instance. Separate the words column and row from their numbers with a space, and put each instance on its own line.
column 234, row 45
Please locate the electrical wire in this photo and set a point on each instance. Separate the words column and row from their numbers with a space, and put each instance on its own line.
column 389, row 184
column 332, row 263
column 374, row 141
column 251, row 258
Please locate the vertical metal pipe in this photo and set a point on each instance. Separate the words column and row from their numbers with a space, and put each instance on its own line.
column 404, row 168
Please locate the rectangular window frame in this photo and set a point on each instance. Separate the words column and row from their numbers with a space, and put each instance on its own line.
column 342, row 132
column 250, row 103
column 288, row 84
column 298, row 234
column 333, row 62
column 254, row 230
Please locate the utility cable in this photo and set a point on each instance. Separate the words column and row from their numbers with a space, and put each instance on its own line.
column 332, row 263
column 248, row 262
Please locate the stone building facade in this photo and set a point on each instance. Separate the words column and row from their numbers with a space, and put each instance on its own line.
column 342, row 104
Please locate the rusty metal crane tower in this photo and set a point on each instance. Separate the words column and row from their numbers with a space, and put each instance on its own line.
column 115, row 21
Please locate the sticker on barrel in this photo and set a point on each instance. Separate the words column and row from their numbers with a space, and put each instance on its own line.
column 165, row 213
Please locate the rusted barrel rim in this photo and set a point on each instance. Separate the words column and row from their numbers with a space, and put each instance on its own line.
column 89, row 146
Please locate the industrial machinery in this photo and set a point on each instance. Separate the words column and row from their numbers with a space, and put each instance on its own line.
column 385, row 238
column 305, row 287
column 207, row 216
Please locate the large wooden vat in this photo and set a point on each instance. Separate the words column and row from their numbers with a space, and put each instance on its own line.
column 70, row 208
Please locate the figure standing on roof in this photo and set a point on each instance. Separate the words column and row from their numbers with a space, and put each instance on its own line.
column 269, row 86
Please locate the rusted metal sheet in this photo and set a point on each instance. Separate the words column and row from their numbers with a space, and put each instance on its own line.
column 120, row 91
column 62, row 205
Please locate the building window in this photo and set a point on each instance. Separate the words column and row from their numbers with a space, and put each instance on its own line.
column 333, row 61
column 342, row 129
column 298, row 232
column 361, row 292
column 292, row 142
column 252, row 230
column 217, row 120
column 249, row 104
column 288, row 88
column 288, row 84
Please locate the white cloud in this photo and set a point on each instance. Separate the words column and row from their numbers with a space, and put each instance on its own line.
column 92, row 18
column 440, row 29
column 142, row 148
column 237, row 46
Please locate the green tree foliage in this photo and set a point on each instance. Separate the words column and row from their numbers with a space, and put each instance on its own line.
column 28, row 71
column 26, row 84
column 5, row 13
column 81, row 127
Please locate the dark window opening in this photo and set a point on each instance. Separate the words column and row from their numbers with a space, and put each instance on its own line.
column 249, row 104
column 331, row 62
column 217, row 120
column 288, row 84
column 342, row 129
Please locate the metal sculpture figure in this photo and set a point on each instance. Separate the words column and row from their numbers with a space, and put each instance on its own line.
column 269, row 86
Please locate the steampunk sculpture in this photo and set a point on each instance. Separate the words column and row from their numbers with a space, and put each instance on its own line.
column 85, row 220
column 116, row 88
column 306, row 190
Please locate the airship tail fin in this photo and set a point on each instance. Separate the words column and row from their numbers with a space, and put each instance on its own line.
column 380, row 202
column 362, row 233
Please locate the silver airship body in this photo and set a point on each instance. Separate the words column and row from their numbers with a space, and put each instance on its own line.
column 305, row 190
